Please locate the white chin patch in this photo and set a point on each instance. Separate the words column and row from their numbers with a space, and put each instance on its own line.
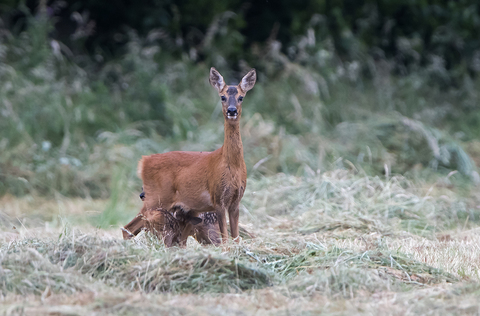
column 232, row 117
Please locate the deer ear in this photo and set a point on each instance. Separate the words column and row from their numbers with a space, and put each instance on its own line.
column 248, row 81
column 216, row 79
column 195, row 220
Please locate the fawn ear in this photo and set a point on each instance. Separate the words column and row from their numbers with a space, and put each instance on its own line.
column 248, row 81
column 195, row 220
column 216, row 79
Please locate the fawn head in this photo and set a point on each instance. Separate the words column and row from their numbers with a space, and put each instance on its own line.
column 232, row 96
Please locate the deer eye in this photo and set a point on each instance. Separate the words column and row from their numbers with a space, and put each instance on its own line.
column 240, row 99
column 224, row 98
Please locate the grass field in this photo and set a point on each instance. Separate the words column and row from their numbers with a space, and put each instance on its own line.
column 330, row 243
column 362, row 194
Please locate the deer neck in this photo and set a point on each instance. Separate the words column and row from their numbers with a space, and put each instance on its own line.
column 232, row 145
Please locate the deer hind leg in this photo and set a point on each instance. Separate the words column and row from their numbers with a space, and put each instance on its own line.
column 233, row 216
column 222, row 223
column 208, row 232
column 213, row 236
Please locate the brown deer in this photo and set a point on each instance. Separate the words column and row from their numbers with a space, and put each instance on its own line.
column 169, row 226
column 199, row 182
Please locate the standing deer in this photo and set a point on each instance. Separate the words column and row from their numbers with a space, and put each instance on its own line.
column 199, row 182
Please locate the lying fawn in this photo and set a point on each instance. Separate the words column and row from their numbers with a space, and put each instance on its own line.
column 169, row 226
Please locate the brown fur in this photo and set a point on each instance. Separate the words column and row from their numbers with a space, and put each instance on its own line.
column 169, row 227
column 203, row 181
column 133, row 228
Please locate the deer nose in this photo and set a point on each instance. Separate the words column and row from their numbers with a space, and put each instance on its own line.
column 232, row 111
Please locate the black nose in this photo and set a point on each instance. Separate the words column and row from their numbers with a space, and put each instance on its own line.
column 232, row 111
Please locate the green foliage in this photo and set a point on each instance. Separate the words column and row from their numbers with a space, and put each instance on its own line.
column 68, row 124
column 436, row 34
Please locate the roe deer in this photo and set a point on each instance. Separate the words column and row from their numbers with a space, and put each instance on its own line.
column 169, row 226
column 200, row 182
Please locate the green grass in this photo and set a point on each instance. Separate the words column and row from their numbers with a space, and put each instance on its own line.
column 333, row 242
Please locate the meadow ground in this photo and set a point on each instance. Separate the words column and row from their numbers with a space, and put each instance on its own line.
column 331, row 243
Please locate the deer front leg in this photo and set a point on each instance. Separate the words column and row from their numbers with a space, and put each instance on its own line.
column 134, row 227
column 222, row 223
column 187, row 231
column 233, row 216
column 188, row 220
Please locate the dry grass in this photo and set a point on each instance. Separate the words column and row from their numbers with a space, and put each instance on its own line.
column 334, row 243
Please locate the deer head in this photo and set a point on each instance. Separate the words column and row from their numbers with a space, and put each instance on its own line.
column 232, row 96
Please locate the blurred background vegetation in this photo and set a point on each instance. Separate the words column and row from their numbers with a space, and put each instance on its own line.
column 376, row 87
